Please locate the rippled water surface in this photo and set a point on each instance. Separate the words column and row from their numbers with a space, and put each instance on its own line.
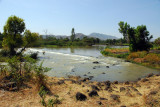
column 79, row 62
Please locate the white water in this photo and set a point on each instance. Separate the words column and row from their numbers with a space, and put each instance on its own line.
column 79, row 61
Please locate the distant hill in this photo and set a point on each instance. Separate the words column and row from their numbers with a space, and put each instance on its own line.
column 81, row 36
column 102, row 36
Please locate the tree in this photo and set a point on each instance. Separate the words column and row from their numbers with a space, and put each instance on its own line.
column 1, row 36
column 13, row 33
column 157, row 41
column 72, row 35
column 123, row 29
column 143, row 38
column 139, row 38
column 29, row 39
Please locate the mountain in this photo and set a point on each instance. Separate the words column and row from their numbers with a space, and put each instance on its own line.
column 81, row 36
column 102, row 36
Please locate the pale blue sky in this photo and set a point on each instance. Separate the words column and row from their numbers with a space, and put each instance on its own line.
column 86, row 16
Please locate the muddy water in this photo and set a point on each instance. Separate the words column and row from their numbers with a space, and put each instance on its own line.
column 79, row 62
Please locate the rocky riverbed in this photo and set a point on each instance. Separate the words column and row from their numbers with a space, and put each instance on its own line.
column 78, row 92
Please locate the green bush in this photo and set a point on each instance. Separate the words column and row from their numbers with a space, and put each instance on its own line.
column 4, row 53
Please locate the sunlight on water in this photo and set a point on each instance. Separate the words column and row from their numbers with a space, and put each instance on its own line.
column 79, row 62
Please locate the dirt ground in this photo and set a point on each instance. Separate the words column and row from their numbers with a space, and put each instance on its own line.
column 143, row 93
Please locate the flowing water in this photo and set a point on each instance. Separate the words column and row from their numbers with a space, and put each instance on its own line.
column 79, row 62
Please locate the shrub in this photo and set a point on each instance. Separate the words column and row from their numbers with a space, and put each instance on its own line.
column 15, row 70
column 134, row 55
column 122, row 55
column 152, row 58
column 4, row 52
column 40, row 75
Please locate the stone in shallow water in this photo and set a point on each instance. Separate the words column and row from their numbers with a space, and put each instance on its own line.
column 96, row 62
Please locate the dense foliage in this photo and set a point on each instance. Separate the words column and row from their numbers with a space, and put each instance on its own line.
column 13, row 35
column 139, row 38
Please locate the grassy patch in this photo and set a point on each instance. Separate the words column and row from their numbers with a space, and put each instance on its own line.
column 144, row 58
column 114, row 52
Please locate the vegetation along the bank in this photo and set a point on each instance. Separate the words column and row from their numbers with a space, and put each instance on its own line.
column 23, row 81
column 140, row 50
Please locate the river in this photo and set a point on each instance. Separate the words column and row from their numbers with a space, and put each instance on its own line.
column 79, row 62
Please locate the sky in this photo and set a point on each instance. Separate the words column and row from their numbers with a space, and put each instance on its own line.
column 58, row 17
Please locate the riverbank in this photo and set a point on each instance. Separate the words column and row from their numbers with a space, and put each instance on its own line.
column 149, row 59
column 144, row 92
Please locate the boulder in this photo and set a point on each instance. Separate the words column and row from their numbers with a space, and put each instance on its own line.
column 107, row 66
column 107, row 83
column 144, row 80
column 94, row 87
column 90, row 77
column 93, row 93
column 150, row 75
column 126, row 83
column 96, row 62
column 115, row 82
column 103, row 98
column 60, row 82
column 80, row 96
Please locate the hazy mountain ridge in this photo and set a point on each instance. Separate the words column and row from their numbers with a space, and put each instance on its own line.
column 102, row 36
column 81, row 36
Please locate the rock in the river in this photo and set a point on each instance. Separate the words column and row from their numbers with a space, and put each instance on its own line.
column 93, row 93
column 84, row 75
column 80, row 96
column 96, row 62
column 150, row 75
column 90, row 77
column 107, row 66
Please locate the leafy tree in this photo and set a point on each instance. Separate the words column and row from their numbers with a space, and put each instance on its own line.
column 72, row 35
column 1, row 36
column 139, row 38
column 157, row 41
column 13, row 33
column 29, row 39
column 143, row 37
column 132, row 39
column 123, row 29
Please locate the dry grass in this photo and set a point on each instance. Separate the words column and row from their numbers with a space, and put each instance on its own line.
column 28, row 97
column 116, row 50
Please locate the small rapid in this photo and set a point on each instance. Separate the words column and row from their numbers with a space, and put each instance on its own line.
column 88, row 62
